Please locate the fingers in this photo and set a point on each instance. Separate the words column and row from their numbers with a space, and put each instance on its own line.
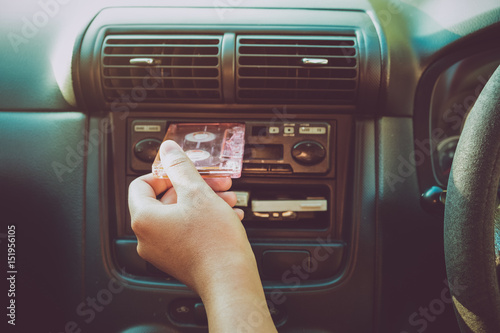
column 219, row 184
column 158, row 185
column 228, row 197
column 181, row 170
column 240, row 213
column 170, row 197
column 143, row 191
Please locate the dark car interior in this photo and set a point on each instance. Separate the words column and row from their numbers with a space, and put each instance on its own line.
column 369, row 200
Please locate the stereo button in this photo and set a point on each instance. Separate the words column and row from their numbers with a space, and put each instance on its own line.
column 242, row 198
column 308, row 152
column 274, row 130
column 147, row 128
column 312, row 130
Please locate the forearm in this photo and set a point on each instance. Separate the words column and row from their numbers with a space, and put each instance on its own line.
column 235, row 301
column 193, row 233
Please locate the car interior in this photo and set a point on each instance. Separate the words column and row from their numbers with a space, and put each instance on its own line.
column 370, row 172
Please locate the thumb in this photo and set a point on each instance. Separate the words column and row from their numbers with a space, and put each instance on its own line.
column 180, row 170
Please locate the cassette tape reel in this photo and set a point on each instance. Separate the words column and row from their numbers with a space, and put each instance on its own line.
column 216, row 149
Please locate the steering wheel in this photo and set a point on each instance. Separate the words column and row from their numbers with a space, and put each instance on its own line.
column 469, row 224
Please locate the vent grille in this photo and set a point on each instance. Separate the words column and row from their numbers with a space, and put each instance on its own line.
column 161, row 68
column 297, row 69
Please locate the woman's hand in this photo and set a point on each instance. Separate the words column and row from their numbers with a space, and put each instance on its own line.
column 194, row 234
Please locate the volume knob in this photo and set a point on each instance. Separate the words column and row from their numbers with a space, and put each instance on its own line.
column 145, row 150
column 308, row 152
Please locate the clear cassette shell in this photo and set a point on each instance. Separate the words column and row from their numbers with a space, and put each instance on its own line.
column 216, row 149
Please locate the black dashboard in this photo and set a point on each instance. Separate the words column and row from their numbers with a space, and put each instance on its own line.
column 352, row 110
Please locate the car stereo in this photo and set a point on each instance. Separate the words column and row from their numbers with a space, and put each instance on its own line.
column 271, row 148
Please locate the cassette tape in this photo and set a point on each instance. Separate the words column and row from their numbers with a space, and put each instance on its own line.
column 216, row 149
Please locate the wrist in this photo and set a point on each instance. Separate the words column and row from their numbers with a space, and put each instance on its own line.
column 227, row 273
column 234, row 298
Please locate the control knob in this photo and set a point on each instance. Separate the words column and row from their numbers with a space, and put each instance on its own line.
column 308, row 152
column 146, row 150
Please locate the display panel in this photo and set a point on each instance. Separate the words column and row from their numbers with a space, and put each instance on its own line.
column 264, row 152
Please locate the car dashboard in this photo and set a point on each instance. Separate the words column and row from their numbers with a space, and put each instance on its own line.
column 351, row 111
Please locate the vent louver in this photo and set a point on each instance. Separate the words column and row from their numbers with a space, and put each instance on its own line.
column 297, row 69
column 161, row 68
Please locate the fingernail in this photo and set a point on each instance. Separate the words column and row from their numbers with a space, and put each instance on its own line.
column 168, row 146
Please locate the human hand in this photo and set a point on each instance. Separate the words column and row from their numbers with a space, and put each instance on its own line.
column 192, row 222
column 193, row 233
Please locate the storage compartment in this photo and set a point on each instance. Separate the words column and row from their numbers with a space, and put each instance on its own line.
column 288, row 264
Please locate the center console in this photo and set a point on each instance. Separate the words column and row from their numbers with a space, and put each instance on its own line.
column 289, row 190
column 293, row 189
column 304, row 84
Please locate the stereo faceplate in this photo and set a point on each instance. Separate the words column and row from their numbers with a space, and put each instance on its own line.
column 271, row 147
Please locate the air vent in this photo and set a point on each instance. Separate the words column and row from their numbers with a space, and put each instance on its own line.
column 162, row 68
column 297, row 69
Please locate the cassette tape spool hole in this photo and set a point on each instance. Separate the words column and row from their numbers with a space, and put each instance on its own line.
column 201, row 136
column 197, row 155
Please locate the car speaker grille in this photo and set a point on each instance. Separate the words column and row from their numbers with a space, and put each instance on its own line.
column 161, row 68
column 297, row 69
